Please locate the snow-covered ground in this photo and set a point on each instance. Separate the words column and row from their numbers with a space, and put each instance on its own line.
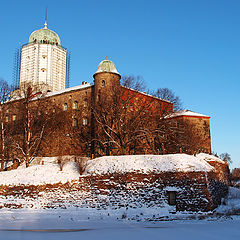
column 147, row 163
column 49, row 172
column 122, row 223
column 77, row 223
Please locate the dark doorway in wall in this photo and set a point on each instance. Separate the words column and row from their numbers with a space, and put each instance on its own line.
column 171, row 197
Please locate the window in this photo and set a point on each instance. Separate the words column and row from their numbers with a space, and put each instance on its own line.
column 75, row 105
column 85, row 103
column 14, row 117
column 85, row 121
column 171, row 197
column 65, row 107
column 44, row 56
column 103, row 83
column 6, row 120
column 75, row 122
column 43, row 69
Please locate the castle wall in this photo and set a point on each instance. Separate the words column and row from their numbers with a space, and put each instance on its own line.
column 195, row 191
column 192, row 134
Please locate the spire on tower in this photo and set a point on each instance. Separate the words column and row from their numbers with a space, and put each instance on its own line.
column 45, row 24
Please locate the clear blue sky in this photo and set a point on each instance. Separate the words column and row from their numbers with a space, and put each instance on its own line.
column 189, row 46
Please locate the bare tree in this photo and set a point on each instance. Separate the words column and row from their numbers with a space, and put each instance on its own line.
column 5, row 91
column 169, row 95
column 136, row 83
column 34, row 113
column 124, row 121
column 226, row 157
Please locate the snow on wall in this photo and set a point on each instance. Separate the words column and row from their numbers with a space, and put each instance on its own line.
column 40, row 174
column 147, row 163
column 50, row 173
column 209, row 158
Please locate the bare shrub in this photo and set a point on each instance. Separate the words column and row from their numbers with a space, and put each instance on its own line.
column 62, row 161
column 81, row 163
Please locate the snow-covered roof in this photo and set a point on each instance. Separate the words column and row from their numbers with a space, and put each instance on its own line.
column 186, row 112
column 147, row 163
column 50, row 94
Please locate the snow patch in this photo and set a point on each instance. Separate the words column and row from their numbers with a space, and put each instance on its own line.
column 209, row 158
column 147, row 163
column 40, row 174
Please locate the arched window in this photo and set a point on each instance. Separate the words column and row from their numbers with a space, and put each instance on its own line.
column 43, row 69
column 65, row 107
column 14, row 117
column 103, row 83
column 85, row 103
column 85, row 121
column 75, row 105
column 75, row 122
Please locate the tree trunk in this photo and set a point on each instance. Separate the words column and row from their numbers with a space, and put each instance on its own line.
column 3, row 148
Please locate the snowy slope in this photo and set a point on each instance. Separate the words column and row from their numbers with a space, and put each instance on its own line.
column 147, row 163
column 40, row 174
column 209, row 158
column 50, row 173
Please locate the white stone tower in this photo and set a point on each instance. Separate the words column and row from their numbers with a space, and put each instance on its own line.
column 43, row 61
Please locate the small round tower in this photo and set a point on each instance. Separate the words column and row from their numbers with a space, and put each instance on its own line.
column 106, row 78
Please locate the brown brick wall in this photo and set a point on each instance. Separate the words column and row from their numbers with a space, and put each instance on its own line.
column 196, row 191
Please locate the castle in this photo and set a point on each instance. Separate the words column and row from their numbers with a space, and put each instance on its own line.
column 90, row 128
column 44, row 118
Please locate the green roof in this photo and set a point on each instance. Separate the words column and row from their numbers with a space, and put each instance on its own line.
column 44, row 35
column 106, row 66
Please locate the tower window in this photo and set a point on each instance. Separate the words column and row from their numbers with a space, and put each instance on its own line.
column 6, row 119
column 65, row 107
column 43, row 70
column 103, row 83
column 14, row 117
column 44, row 56
column 85, row 121
column 85, row 103
column 75, row 122
column 75, row 105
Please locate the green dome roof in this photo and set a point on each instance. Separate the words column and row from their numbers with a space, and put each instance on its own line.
column 44, row 35
column 106, row 66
